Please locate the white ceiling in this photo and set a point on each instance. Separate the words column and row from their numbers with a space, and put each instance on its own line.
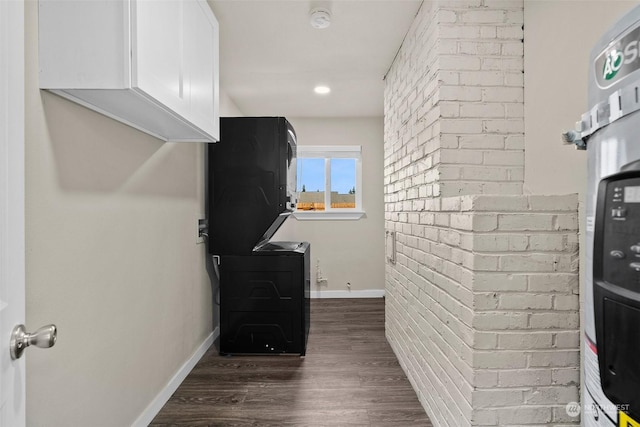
column 271, row 58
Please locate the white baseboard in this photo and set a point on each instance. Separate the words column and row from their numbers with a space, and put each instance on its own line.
column 367, row 293
column 161, row 399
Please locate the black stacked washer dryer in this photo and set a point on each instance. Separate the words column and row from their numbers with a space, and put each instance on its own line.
column 264, row 285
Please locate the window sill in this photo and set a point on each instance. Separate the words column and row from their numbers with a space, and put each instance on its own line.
column 330, row 216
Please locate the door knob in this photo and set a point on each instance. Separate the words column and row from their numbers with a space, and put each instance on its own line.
column 44, row 337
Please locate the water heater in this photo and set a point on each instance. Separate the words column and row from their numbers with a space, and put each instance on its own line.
column 610, row 131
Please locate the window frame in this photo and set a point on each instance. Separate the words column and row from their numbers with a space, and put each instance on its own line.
column 328, row 152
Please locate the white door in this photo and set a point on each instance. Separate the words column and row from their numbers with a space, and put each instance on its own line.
column 12, row 250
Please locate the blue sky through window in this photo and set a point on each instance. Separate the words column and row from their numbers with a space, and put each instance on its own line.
column 311, row 174
column 343, row 175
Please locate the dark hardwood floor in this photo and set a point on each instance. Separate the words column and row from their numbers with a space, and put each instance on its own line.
column 349, row 377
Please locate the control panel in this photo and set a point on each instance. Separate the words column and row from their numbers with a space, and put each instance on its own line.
column 616, row 288
column 619, row 253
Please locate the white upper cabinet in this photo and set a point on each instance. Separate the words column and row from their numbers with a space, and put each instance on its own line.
column 152, row 64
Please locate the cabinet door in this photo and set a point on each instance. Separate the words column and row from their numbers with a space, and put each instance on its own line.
column 83, row 44
column 201, row 64
column 157, row 51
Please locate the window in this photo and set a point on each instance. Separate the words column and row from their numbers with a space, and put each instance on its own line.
column 329, row 182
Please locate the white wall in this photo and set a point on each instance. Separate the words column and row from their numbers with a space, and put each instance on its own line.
column 558, row 37
column 481, row 307
column 348, row 251
column 228, row 107
column 112, row 259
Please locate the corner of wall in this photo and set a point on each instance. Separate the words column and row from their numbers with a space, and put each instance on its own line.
column 482, row 303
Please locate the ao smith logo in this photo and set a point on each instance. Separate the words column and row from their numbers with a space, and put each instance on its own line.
column 614, row 62
column 620, row 59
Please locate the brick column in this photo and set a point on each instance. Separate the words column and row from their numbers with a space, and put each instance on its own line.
column 482, row 305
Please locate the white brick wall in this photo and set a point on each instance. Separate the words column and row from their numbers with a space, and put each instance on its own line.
column 482, row 305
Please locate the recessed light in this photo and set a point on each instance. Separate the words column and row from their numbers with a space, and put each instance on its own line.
column 322, row 90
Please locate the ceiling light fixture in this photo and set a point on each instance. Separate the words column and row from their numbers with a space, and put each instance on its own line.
column 320, row 18
column 322, row 90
